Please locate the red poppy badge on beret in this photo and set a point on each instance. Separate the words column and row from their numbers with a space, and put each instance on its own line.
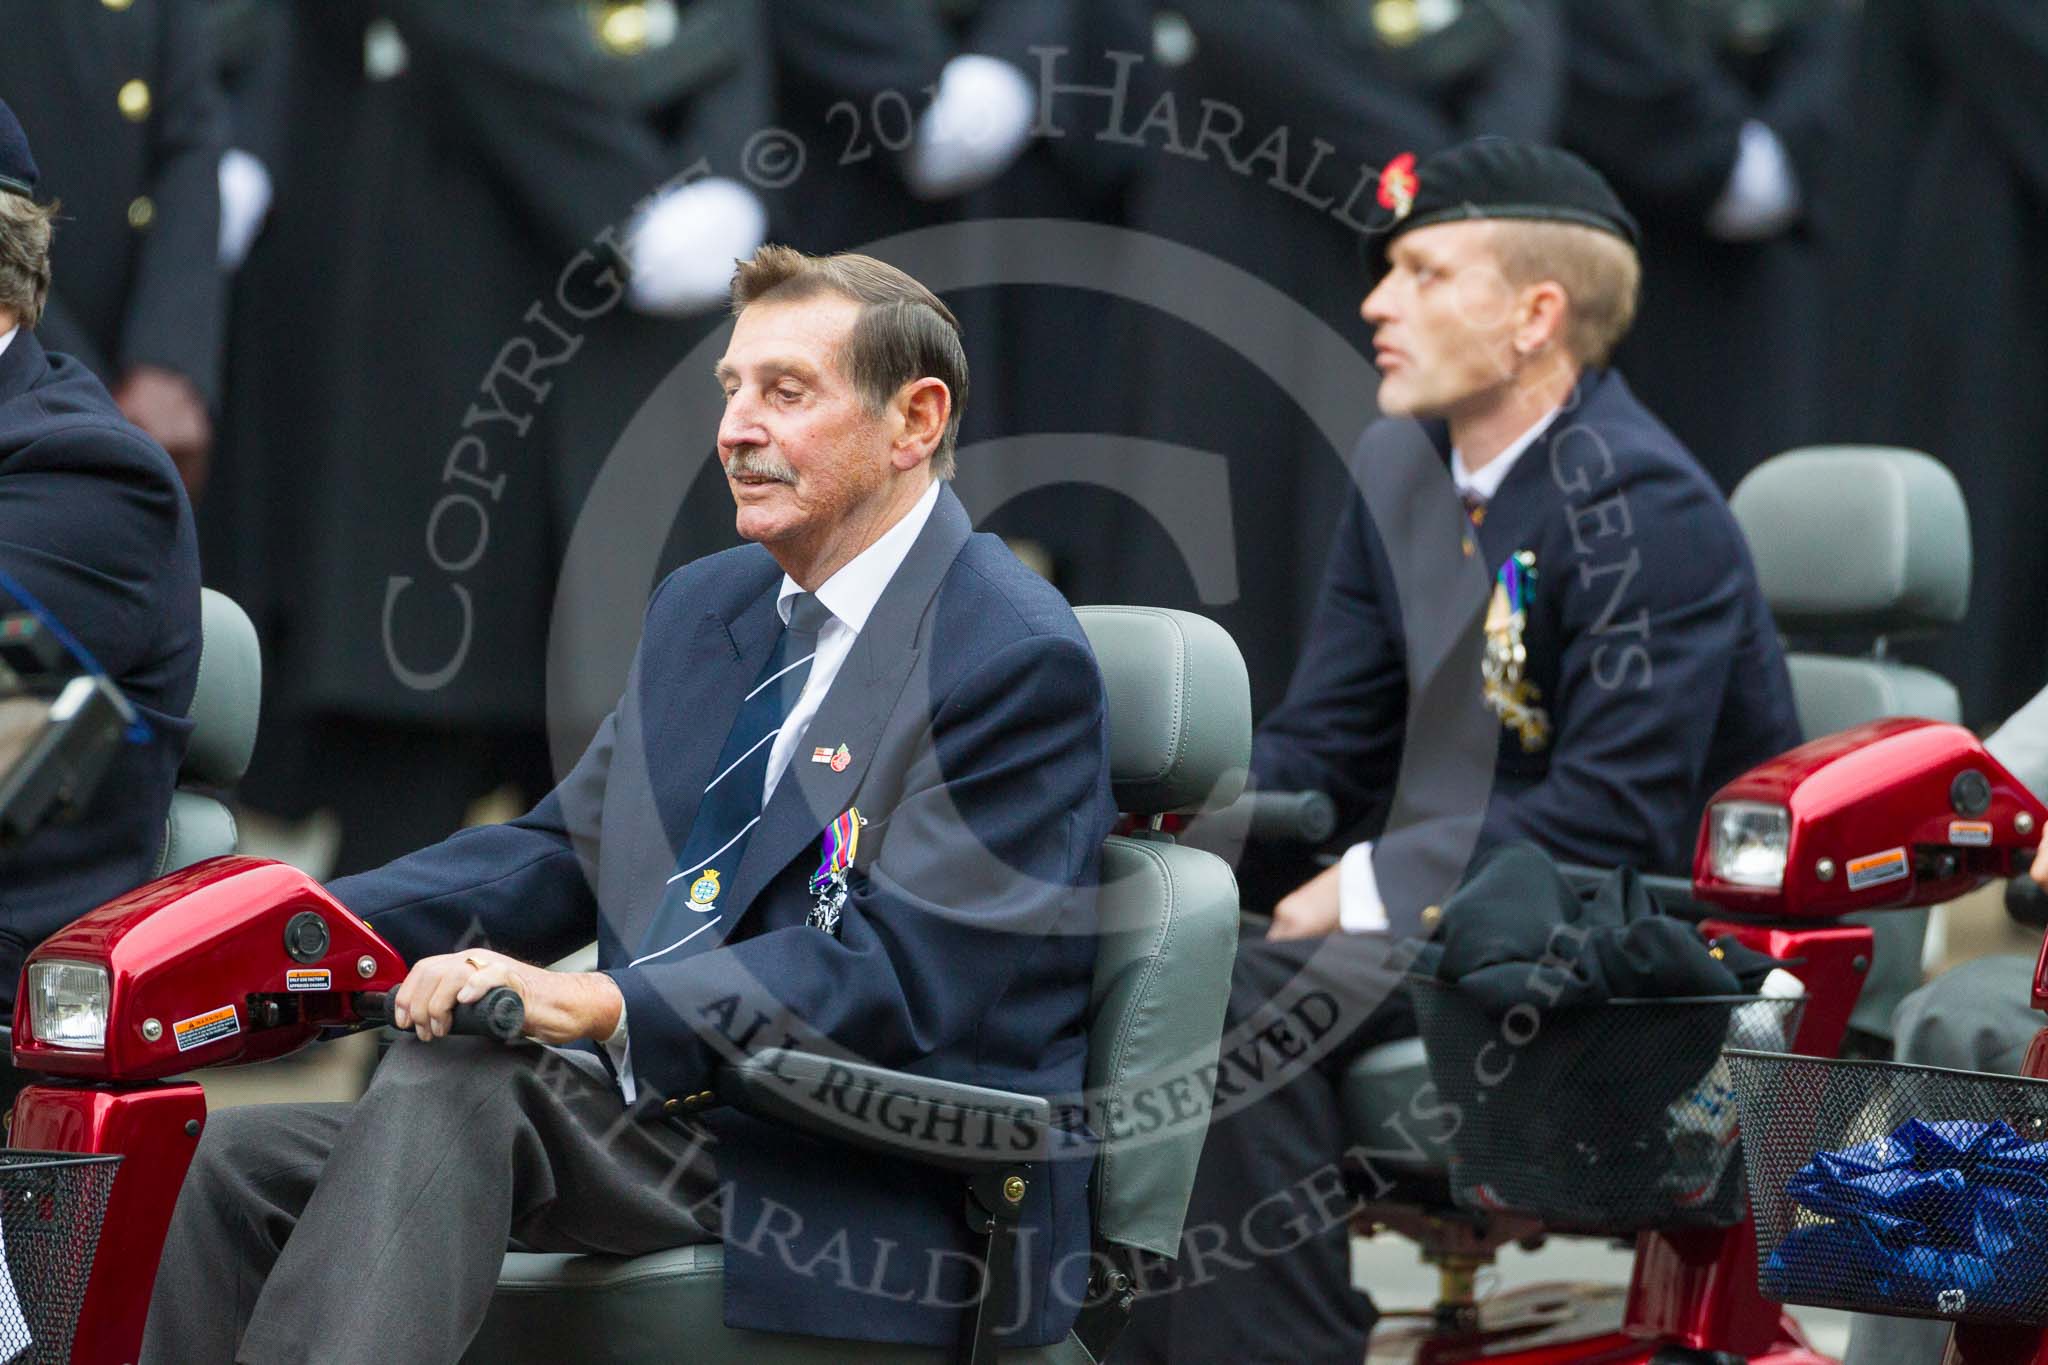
column 1398, row 185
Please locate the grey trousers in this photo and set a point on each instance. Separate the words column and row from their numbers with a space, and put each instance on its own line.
column 1977, row 1017
column 374, row 1232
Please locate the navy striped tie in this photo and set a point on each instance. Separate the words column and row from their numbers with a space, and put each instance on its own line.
column 731, row 806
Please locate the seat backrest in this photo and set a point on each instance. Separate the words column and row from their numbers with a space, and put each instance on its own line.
column 1862, row 544
column 1856, row 544
column 224, row 711
column 1180, row 740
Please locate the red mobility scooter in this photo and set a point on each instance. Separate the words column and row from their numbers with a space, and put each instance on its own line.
column 238, row 960
column 1889, row 815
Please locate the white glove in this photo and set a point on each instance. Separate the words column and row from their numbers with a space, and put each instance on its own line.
column 245, row 192
column 684, row 244
column 385, row 55
column 1762, row 198
column 977, row 125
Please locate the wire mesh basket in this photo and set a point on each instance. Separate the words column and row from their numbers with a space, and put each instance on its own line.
column 1887, row 1188
column 51, row 1207
column 1604, row 1120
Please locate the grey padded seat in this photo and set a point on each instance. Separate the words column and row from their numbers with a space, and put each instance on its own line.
column 226, row 704
column 1855, row 542
column 1180, row 740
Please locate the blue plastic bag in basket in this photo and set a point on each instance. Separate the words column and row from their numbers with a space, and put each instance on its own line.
column 1944, row 1217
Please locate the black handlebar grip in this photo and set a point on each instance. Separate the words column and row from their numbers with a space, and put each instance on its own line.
column 1306, row 817
column 2026, row 902
column 500, row 1014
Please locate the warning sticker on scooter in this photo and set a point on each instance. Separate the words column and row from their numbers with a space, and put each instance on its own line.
column 1877, row 869
column 1970, row 833
column 309, row 979
column 209, row 1027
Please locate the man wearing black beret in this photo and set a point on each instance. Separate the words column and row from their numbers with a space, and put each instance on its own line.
column 94, row 524
column 1629, row 666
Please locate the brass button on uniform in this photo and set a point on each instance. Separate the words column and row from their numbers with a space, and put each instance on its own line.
column 1432, row 913
column 134, row 100
column 671, row 1106
column 625, row 30
column 141, row 212
column 1398, row 22
column 117, row 5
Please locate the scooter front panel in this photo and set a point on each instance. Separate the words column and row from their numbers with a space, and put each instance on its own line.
column 155, row 1131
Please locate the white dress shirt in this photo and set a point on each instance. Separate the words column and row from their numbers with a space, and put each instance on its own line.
column 7, row 338
column 1359, row 907
column 850, row 595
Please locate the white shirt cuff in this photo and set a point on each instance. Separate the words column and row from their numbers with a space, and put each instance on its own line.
column 1359, row 908
column 1762, row 198
column 615, row 1048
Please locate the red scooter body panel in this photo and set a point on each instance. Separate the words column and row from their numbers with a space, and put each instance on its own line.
column 2040, row 989
column 207, row 943
column 1978, row 1345
column 1698, row 1287
column 186, row 952
column 1872, row 807
column 155, row 1130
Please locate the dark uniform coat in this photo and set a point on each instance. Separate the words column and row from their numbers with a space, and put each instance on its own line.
column 1649, row 646
column 850, row 81
column 1729, row 344
column 94, row 523
column 1939, row 293
column 124, row 112
column 1293, row 65
column 441, row 284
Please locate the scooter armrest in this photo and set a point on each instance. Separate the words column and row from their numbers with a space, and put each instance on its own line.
column 932, row 1122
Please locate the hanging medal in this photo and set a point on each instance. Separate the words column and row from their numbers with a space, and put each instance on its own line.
column 1503, row 667
column 828, row 884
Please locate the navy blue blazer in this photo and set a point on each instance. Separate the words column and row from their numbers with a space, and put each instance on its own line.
column 1648, row 642
column 94, row 522
column 973, row 712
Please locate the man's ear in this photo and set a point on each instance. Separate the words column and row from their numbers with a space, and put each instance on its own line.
column 922, row 409
column 1545, row 310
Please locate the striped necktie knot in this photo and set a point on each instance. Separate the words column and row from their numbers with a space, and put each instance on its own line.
column 807, row 615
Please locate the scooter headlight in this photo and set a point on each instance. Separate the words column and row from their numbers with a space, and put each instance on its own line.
column 67, row 1004
column 1750, row 841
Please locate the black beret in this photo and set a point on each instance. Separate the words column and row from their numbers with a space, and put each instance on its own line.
column 17, row 168
column 1493, row 177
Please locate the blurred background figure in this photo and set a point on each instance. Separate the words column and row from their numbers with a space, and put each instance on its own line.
column 925, row 113
column 123, row 103
column 1264, row 149
column 1717, row 120
column 1934, row 316
column 458, row 190
column 248, row 39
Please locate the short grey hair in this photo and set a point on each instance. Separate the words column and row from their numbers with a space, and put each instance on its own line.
column 25, row 231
